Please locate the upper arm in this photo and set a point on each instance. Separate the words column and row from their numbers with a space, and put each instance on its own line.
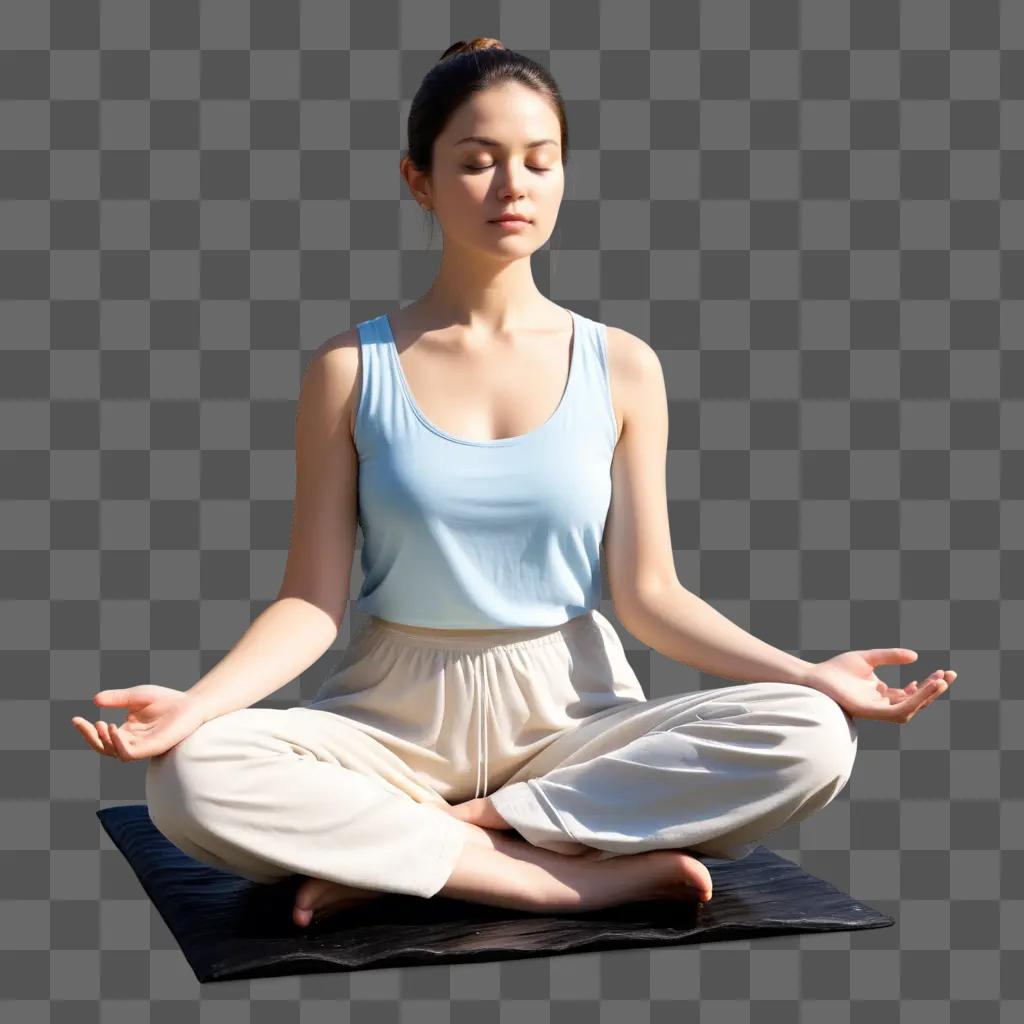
column 637, row 539
column 324, row 516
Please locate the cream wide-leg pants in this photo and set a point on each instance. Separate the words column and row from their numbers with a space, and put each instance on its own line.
column 550, row 722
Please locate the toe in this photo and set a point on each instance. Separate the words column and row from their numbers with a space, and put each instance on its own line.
column 308, row 894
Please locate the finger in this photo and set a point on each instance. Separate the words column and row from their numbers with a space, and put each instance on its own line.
column 110, row 698
column 126, row 698
column 914, row 687
column 930, row 700
column 901, row 701
column 104, row 733
column 88, row 730
column 889, row 655
column 944, row 683
column 948, row 674
column 897, row 695
column 906, row 709
column 101, row 735
column 118, row 742
column 109, row 739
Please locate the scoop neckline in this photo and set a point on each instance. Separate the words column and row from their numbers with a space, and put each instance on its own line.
column 494, row 442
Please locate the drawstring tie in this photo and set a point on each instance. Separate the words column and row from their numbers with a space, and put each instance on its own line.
column 481, row 703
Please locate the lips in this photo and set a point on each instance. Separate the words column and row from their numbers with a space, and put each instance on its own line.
column 510, row 216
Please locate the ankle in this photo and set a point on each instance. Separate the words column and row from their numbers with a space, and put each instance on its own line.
column 491, row 816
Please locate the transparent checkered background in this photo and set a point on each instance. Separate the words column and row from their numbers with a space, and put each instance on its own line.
column 813, row 211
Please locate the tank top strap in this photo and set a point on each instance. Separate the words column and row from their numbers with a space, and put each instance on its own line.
column 591, row 394
column 379, row 397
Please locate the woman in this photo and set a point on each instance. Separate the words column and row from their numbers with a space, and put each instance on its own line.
column 488, row 440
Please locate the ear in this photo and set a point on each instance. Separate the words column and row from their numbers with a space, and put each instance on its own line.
column 418, row 182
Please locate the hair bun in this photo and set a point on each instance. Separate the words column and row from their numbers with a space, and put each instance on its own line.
column 467, row 46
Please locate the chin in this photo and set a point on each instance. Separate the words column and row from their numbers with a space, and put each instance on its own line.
column 517, row 243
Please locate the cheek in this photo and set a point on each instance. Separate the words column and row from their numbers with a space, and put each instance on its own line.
column 468, row 194
column 550, row 195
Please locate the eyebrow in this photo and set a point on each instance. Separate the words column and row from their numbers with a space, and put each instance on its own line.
column 494, row 142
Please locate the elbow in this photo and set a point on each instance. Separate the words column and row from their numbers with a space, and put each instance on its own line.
column 635, row 603
column 329, row 611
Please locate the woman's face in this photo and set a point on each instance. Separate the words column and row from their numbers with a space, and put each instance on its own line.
column 495, row 157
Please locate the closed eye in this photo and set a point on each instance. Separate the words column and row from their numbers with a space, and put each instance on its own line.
column 487, row 167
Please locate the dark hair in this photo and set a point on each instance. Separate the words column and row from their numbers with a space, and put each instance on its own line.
column 465, row 68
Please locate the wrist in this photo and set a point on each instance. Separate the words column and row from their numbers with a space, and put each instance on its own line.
column 805, row 673
column 200, row 707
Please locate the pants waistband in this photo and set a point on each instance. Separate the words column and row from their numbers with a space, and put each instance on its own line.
column 486, row 639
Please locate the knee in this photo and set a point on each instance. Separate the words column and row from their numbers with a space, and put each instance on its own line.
column 828, row 740
column 819, row 737
column 179, row 781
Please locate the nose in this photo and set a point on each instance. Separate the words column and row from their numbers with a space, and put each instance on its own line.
column 513, row 185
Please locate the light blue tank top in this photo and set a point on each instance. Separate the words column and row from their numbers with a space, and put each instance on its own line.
column 464, row 534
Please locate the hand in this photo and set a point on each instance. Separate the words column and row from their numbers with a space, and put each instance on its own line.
column 158, row 718
column 850, row 680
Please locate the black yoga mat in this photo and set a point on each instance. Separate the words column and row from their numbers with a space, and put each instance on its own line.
column 229, row 927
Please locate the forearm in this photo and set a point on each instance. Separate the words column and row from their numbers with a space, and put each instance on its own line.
column 682, row 626
column 283, row 641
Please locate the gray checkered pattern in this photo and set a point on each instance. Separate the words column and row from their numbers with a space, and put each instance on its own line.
column 813, row 210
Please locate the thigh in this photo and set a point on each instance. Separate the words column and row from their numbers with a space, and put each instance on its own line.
column 759, row 706
column 303, row 732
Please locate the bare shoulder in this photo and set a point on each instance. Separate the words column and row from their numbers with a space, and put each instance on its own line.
column 637, row 377
column 334, row 367
column 325, row 513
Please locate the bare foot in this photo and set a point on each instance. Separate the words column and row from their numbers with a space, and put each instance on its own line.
column 675, row 876
column 637, row 878
column 318, row 898
column 654, row 875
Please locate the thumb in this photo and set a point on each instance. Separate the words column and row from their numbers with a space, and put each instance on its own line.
column 119, row 698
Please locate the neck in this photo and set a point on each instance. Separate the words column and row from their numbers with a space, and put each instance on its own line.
column 484, row 295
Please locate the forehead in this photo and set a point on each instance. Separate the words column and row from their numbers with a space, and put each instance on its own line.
column 511, row 114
